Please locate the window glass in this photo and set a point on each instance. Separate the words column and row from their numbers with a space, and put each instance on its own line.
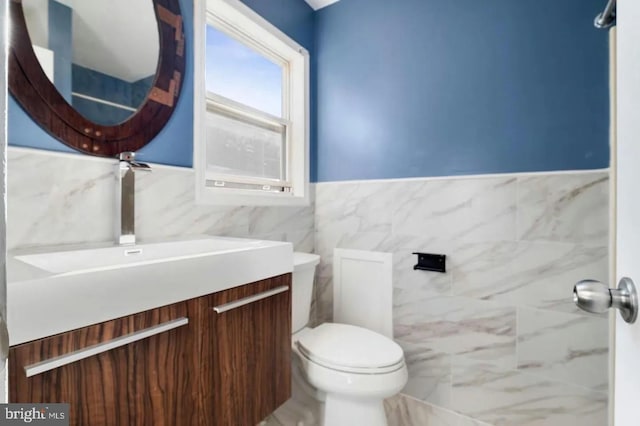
column 240, row 146
column 237, row 72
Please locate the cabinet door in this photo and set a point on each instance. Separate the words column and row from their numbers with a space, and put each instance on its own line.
column 250, row 351
column 129, row 371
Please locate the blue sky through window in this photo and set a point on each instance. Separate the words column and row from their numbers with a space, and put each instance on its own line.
column 237, row 72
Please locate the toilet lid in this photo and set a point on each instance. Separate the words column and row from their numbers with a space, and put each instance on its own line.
column 347, row 346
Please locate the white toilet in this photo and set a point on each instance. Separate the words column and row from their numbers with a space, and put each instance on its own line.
column 353, row 368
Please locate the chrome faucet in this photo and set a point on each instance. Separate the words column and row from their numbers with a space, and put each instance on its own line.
column 125, row 197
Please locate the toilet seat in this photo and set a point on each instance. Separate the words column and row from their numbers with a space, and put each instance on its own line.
column 350, row 349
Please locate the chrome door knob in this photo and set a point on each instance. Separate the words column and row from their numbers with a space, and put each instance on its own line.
column 595, row 297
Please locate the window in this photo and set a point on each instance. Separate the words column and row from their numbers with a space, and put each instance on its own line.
column 251, row 107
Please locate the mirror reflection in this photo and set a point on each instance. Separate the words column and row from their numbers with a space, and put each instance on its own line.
column 101, row 55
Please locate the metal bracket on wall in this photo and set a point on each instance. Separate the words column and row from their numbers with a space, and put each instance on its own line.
column 431, row 262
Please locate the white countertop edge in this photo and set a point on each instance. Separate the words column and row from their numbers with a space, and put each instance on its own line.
column 52, row 305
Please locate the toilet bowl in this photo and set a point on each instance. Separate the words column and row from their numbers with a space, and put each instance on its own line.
column 353, row 368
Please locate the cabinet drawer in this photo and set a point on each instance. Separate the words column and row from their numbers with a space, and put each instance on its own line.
column 222, row 359
column 129, row 371
column 75, row 340
column 250, row 351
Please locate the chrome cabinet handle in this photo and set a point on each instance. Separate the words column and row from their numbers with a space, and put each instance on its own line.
column 251, row 299
column 57, row 362
column 595, row 297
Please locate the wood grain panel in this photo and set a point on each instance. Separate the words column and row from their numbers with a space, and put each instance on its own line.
column 223, row 369
column 148, row 382
column 250, row 355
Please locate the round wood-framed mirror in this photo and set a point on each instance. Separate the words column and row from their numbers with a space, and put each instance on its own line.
column 39, row 97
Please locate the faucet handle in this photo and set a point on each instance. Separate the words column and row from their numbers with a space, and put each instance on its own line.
column 127, row 156
column 139, row 167
column 130, row 158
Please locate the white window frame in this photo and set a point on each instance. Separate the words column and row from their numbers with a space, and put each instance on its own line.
column 236, row 16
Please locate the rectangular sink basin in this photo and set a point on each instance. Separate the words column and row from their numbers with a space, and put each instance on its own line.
column 60, row 290
column 105, row 258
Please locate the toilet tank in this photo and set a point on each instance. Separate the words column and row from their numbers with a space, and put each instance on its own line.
column 304, row 270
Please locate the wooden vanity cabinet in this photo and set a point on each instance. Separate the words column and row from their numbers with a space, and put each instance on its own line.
column 249, row 348
column 144, row 382
column 222, row 359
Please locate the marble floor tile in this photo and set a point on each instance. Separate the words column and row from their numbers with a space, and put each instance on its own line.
column 296, row 412
column 406, row 411
column 565, row 347
column 271, row 421
column 391, row 404
column 302, row 409
column 571, row 208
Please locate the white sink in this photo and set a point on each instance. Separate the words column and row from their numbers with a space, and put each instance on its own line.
column 105, row 258
column 55, row 291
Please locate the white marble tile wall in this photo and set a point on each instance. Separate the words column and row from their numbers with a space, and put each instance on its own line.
column 497, row 338
column 56, row 199
column 494, row 341
column 510, row 397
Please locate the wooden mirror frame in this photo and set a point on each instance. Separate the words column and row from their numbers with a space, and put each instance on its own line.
column 37, row 95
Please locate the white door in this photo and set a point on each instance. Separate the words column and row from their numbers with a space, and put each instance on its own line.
column 627, row 348
column 4, row 337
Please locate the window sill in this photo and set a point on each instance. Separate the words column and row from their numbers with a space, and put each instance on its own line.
column 239, row 197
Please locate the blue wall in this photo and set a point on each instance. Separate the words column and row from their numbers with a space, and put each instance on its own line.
column 60, row 36
column 427, row 88
column 293, row 17
column 450, row 87
column 297, row 20
column 107, row 88
column 174, row 144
